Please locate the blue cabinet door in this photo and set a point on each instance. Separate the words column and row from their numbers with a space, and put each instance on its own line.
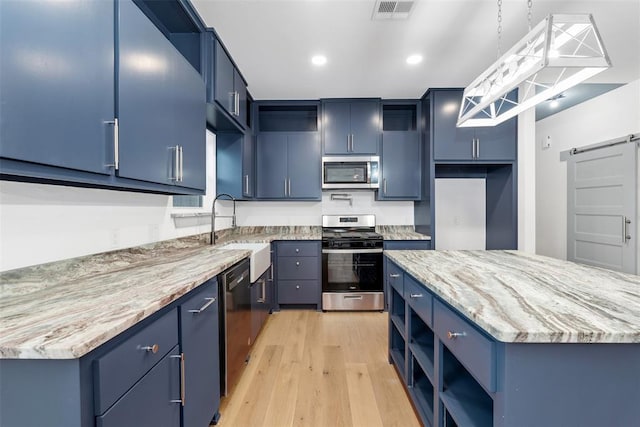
column 450, row 142
column 271, row 165
column 149, row 402
column 336, row 127
column 57, row 83
column 365, row 127
column 199, row 343
column 304, row 166
column 159, row 104
column 223, row 79
column 400, row 165
column 240, row 87
column 498, row 142
column 248, row 165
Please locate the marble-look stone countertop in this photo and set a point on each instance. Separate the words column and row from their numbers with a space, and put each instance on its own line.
column 400, row 232
column 65, row 309
column 520, row 297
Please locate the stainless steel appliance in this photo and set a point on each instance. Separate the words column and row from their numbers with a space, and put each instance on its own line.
column 351, row 172
column 351, row 263
column 235, row 322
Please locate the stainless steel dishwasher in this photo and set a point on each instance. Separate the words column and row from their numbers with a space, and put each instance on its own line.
column 235, row 324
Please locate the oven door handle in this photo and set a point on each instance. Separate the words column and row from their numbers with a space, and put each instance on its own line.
column 352, row 251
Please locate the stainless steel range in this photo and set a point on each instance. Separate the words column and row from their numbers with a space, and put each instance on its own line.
column 351, row 263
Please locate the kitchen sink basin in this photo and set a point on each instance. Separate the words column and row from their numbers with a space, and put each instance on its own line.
column 260, row 258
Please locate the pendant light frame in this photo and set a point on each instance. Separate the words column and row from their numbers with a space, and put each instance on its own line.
column 560, row 52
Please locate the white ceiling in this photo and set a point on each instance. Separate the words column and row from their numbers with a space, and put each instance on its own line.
column 272, row 42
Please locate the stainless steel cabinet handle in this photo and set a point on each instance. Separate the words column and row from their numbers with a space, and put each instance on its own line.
column 176, row 163
column 348, row 143
column 232, row 102
column 271, row 272
column 297, row 286
column 297, row 250
column 415, row 295
column 394, row 276
column 237, row 104
column 297, row 263
column 116, row 143
column 625, row 229
column 453, row 335
column 477, row 148
column 182, row 388
column 263, row 292
column 384, row 186
column 289, row 187
column 473, row 148
column 151, row 348
column 352, row 297
column 246, row 184
column 285, row 188
column 205, row 306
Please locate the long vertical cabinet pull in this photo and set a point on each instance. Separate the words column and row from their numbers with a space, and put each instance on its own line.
column 285, row 187
column 116, row 143
column 182, row 399
column 384, row 186
column 246, row 184
column 477, row 148
column 176, row 164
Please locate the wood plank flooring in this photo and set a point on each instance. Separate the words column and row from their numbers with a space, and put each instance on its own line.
column 319, row 369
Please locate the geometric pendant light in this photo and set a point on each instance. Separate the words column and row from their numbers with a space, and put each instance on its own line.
column 560, row 52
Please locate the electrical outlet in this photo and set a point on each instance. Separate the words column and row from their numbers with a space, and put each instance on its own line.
column 154, row 233
column 546, row 142
column 115, row 238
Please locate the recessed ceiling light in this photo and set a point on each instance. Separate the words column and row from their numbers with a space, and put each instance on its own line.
column 554, row 104
column 319, row 60
column 414, row 59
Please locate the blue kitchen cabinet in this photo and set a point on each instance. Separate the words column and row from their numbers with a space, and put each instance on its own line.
column 451, row 143
column 123, row 68
column 235, row 164
column 288, row 166
column 271, row 166
column 351, row 127
column 401, row 172
column 161, row 106
column 157, row 389
column 298, row 273
column 56, row 87
column 199, row 335
column 230, row 88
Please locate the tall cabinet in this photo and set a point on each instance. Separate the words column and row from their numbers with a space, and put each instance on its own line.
column 459, row 153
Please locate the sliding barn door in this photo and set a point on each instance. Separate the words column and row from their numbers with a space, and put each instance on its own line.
column 601, row 207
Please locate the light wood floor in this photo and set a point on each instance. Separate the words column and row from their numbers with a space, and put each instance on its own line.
column 319, row 369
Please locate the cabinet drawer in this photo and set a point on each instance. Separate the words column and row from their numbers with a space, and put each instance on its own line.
column 298, row 291
column 419, row 299
column 473, row 349
column 395, row 277
column 406, row 245
column 298, row 268
column 148, row 403
column 123, row 366
column 300, row 248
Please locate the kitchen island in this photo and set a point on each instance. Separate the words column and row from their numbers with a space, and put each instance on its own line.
column 505, row 338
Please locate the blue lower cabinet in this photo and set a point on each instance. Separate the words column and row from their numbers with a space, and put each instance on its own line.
column 409, row 245
column 298, row 273
column 199, row 344
column 153, row 402
column 261, row 302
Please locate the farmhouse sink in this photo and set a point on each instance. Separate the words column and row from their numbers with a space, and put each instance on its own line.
column 260, row 256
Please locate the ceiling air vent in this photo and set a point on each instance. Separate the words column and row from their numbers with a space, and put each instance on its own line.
column 392, row 10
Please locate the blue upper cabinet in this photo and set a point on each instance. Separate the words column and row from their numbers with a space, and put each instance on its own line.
column 230, row 89
column 351, row 127
column 161, row 106
column 56, row 87
column 288, row 165
column 401, row 152
column 62, row 96
column 451, row 143
column 235, row 164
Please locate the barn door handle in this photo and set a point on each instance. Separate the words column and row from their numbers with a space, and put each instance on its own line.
column 625, row 229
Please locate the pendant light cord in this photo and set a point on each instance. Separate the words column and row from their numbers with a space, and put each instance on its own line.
column 500, row 28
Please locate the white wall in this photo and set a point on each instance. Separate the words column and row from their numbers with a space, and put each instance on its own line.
column 611, row 115
column 44, row 223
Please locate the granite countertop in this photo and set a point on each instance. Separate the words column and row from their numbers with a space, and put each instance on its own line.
column 400, row 232
column 65, row 309
column 521, row 297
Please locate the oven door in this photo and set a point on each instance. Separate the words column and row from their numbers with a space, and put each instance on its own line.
column 352, row 270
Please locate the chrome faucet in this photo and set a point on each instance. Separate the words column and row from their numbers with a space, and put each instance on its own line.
column 213, row 215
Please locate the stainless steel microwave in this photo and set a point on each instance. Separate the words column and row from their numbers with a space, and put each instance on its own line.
column 351, row 172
